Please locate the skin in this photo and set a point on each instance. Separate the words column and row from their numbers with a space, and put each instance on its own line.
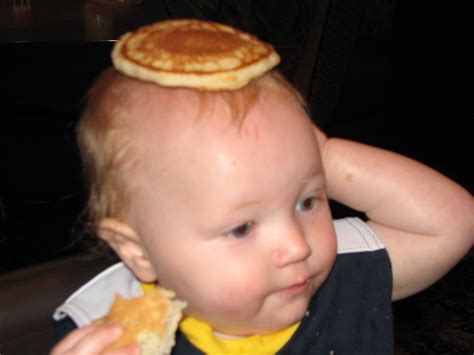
column 245, row 208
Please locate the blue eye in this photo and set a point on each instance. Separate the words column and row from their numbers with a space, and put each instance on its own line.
column 306, row 205
column 241, row 231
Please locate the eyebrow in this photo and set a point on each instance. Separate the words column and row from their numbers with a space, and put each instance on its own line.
column 315, row 171
column 244, row 205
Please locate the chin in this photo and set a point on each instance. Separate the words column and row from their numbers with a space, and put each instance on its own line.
column 286, row 319
column 294, row 313
column 272, row 326
column 297, row 316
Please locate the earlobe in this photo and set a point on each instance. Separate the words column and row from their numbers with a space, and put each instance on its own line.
column 127, row 244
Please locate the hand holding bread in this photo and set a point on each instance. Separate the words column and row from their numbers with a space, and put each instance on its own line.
column 150, row 321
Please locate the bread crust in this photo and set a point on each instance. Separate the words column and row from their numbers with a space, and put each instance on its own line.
column 193, row 53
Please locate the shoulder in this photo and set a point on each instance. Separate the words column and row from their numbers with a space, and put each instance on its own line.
column 355, row 236
column 362, row 261
column 93, row 300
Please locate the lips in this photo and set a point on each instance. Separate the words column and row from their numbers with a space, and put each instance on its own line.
column 297, row 288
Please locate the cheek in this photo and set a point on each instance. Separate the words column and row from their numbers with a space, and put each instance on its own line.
column 323, row 242
column 325, row 251
column 235, row 297
column 215, row 286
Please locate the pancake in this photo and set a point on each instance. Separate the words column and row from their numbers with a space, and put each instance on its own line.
column 150, row 321
column 193, row 53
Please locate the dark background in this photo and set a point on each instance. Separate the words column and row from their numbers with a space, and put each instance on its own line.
column 399, row 81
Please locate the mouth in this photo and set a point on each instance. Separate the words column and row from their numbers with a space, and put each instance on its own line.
column 297, row 288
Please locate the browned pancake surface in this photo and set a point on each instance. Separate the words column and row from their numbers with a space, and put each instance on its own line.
column 193, row 53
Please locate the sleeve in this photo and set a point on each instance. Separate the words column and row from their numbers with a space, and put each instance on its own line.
column 63, row 327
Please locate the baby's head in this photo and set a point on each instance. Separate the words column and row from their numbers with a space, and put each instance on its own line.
column 117, row 102
column 218, row 196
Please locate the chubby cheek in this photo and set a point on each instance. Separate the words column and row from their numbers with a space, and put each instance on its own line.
column 324, row 258
column 325, row 254
column 228, row 303
column 223, row 291
column 323, row 243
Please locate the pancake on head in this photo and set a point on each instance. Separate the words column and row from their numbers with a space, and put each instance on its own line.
column 150, row 321
column 193, row 53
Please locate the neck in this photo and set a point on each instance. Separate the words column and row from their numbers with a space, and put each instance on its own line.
column 220, row 335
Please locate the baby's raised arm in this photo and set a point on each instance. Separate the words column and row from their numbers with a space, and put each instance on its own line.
column 425, row 220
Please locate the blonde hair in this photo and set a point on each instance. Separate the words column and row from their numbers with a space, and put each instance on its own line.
column 105, row 146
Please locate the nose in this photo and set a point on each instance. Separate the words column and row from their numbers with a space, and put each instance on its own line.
column 291, row 246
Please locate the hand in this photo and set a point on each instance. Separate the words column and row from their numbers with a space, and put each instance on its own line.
column 92, row 340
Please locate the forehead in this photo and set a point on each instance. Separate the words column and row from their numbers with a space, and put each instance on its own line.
column 180, row 124
column 184, row 159
column 167, row 111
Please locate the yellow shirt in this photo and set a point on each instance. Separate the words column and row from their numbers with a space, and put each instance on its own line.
column 201, row 335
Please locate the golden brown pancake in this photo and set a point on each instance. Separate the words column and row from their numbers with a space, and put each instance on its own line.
column 193, row 53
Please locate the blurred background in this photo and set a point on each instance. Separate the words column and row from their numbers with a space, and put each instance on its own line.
column 389, row 73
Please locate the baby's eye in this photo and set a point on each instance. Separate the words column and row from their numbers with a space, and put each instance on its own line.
column 241, row 231
column 306, row 205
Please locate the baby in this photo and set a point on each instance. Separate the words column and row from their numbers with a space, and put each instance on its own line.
column 223, row 197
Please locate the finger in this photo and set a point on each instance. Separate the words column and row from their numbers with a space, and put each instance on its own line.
column 129, row 350
column 89, row 340
column 96, row 341
column 72, row 338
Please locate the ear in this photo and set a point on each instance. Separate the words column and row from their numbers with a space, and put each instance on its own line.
column 127, row 244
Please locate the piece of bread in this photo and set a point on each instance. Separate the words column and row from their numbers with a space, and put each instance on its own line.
column 150, row 321
column 193, row 53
